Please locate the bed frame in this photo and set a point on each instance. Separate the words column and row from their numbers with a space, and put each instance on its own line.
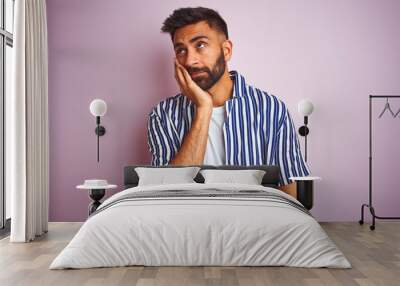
column 270, row 179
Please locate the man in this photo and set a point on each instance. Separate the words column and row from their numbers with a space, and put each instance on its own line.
column 218, row 119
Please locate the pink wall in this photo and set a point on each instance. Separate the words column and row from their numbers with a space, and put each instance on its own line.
column 332, row 52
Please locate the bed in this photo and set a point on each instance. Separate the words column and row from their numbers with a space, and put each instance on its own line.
column 201, row 224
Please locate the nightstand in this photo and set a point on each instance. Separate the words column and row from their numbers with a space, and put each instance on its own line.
column 305, row 190
column 97, row 190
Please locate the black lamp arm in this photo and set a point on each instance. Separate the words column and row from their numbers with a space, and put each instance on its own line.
column 303, row 131
column 100, row 131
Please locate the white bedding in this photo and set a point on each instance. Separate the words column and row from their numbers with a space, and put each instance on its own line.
column 182, row 231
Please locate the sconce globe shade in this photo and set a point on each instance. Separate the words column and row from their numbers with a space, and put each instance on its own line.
column 305, row 107
column 98, row 107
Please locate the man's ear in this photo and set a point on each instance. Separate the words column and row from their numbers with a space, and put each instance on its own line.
column 227, row 49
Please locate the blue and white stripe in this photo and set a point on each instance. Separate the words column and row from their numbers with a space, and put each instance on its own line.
column 258, row 130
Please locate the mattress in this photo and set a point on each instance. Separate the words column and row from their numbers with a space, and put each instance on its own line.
column 201, row 225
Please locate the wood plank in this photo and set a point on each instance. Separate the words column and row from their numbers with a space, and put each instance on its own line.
column 375, row 257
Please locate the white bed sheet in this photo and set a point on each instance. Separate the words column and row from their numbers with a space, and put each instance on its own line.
column 200, row 231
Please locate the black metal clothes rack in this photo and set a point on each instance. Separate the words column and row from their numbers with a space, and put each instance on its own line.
column 369, row 205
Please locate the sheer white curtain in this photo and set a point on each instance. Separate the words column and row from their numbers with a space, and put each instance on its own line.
column 27, row 124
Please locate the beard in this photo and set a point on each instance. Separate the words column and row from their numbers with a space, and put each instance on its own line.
column 213, row 74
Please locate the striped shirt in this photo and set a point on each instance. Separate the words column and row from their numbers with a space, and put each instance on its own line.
column 258, row 130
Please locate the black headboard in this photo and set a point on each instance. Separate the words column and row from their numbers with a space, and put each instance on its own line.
column 270, row 179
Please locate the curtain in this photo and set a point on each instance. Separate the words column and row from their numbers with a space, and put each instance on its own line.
column 27, row 123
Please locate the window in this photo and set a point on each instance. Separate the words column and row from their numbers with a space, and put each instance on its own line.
column 6, row 45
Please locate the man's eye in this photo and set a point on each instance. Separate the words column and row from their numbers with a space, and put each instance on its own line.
column 180, row 51
column 201, row 45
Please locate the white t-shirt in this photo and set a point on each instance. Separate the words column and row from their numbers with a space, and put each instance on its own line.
column 215, row 150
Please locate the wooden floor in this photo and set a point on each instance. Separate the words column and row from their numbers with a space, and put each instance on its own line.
column 374, row 255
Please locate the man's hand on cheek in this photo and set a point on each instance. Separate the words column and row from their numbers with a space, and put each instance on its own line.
column 190, row 89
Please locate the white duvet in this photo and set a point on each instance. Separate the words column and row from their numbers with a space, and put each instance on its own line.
column 200, row 231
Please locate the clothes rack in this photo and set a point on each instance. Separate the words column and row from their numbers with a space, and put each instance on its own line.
column 369, row 205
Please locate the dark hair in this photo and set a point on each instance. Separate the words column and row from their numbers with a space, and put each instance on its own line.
column 186, row 16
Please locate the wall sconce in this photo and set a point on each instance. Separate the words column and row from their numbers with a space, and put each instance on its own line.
column 305, row 108
column 98, row 108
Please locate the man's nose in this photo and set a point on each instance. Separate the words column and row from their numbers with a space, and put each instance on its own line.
column 192, row 59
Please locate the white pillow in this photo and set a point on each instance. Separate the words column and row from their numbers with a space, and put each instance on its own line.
column 249, row 177
column 162, row 176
